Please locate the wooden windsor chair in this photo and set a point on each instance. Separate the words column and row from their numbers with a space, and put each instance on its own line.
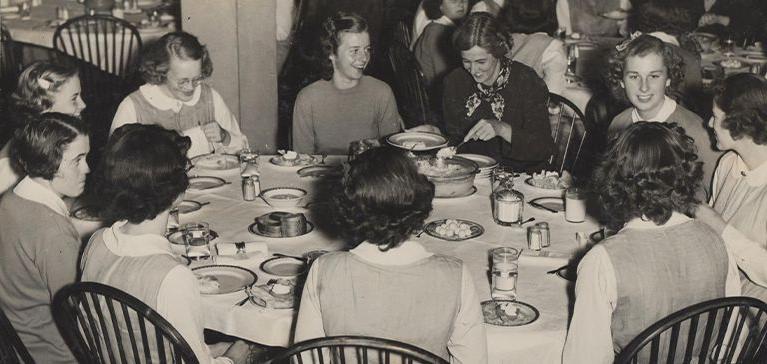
column 723, row 330
column 12, row 350
column 356, row 349
column 569, row 129
column 103, row 324
column 409, row 86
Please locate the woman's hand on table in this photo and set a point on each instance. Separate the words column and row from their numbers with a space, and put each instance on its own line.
column 487, row 129
column 711, row 218
column 711, row 18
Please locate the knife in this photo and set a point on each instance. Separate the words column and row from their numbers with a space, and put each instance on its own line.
column 537, row 205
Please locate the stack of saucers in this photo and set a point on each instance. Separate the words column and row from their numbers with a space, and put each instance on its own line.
column 485, row 163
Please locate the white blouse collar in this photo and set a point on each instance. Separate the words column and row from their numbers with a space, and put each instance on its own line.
column 640, row 224
column 754, row 177
column 668, row 108
column 406, row 253
column 30, row 190
column 154, row 95
column 127, row 245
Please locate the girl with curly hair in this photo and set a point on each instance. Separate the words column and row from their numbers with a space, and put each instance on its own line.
column 388, row 285
column 42, row 87
column 141, row 176
column 176, row 97
column 661, row 260
column 644, row 70
column 738, row 205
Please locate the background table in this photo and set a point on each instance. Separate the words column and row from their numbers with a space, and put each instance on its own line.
column 539, row 342
column 38, row 30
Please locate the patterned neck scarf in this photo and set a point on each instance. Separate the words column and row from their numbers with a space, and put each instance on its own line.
column 491, row 94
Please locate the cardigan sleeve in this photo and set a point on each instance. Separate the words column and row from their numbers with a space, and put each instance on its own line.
column 530, row 129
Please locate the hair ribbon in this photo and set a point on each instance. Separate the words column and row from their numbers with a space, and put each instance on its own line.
column 620, row 47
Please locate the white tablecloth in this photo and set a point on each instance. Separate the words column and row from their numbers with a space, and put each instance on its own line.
column 539, row 342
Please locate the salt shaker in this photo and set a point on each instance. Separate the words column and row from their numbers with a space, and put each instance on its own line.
column 250, row 188
column 545, row 234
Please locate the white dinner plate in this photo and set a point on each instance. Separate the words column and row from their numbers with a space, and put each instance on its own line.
column 202, row 183
column 417, row 141
column 223, row 279
column 484, row 162
column 554, row 203
column 188, row 206
column 217, row 162
column 508, row 313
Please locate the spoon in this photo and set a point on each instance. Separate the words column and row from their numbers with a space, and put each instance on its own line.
column 526, row 221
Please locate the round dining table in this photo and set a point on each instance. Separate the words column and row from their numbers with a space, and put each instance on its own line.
column 538, row 342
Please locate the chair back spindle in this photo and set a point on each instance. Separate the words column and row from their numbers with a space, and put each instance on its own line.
column 103, row 324
column 356, row 349
column 724, row 330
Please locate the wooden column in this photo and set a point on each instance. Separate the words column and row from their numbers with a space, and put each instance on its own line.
column 240, row 37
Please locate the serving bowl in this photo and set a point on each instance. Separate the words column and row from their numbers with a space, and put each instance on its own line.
column 283, row 196
column 455, row 178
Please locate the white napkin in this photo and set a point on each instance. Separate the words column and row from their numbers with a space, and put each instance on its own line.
column 200, row 144
column 543, row 257
column 251, row 247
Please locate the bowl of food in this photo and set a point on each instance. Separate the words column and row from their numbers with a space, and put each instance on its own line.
column 451, row 176
column 283, row 196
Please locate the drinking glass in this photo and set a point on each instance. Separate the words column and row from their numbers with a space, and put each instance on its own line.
column 502, row 176
column 575, row 204
column 504, row 273
column 197, row 240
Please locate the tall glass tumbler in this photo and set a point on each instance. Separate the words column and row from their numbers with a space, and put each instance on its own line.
column 504, row 273
column 197, row 239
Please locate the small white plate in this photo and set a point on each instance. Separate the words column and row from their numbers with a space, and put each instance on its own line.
column 302, row 160
column 284, row 266
column 202, row 183
column 554, row 203
column 230, row 278
column 417, row 141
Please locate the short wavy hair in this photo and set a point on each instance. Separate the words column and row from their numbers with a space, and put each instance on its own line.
column 330, row 39
column 482, row 30
column 141, row 173
column 649, row 171
column 155, row 59
column 383, row 199
column 743, row 98
column 37, row 148
column 642, row 46
column 38, row 84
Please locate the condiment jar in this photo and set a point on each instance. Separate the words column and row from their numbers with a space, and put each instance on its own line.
column 507, row 206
